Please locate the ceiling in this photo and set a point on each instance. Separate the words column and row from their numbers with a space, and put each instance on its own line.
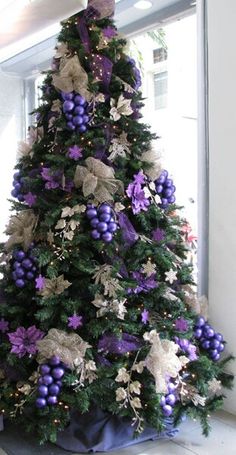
column 37, row 23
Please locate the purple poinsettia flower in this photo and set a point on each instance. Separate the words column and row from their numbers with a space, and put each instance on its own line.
column 53, row 179
column 109, row 32
column 30, row 199
column 181, row 325
column 145, row 284
column 24, row 340
column 158, row 235
column 4, row 325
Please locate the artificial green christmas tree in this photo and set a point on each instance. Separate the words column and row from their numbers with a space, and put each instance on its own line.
column 97, row 303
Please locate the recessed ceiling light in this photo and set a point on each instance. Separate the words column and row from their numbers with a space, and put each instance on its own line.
column 143, row 4
column 193, row 3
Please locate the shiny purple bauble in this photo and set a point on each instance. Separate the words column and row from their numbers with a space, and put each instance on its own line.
column 164, row 202
column 167, row 192
column 107, row 237
column 161, row 180
column 91, row 213
column 167, row 410
column 82, row 129
column 52, row 400
column 16, row 265
column 21, row 197
column 68, row 106
column 71, row 126
column 47, row 379
column 30, row 276
column 69, row 116
column 86, row 118
column 54, row 361
column 14, row 276
column 20, row 255
column 216, row 357
column 171, row 387
column 77, row 120
column 198, row 333
column 218, row 336
column 27, row 264
column 209, row 333
column 14, row 193
column 79, row 110
column 79, row 100
column 58, row 373
column 94, row 222
column 59, row 383
column 43, row 391
column 105, row 217
column 41, row 403
column 17, row 186
column 40, row 381
column 112, row 227
column 45, row 369
column 172, row 199
column 221, row 347
column 170, row 399
column 20, row 283
column 95, row 234
column 104, row 208
column 159, row 189
column 163, row 401
column 214, row 344
column 67, row 96
column 102, row 227
column 16, row 175
column 54, row 389
column 20, row 273
column 168, row 183
column 205, row 344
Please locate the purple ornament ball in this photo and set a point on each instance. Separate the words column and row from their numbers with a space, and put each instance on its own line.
column 159, row 189
column 172, row 199
column 70, row 126
column 102, row 227
column 52, row 400
column 17, row 186
column 54, row 389
column 67, row 96
column 21, row 197
column 54, row 361
column 43, row 391
column 47, row 379
column 168, row 183
column 205, row 344
column 112, row 227
column 213, row 353
column 107, row 237
column 94, row 222
column 59, row 383
column 16, row 265
column 161, row 180
column 86, row 118
column 167, row 410
column 20, row 283
column 79, row 100
column 216, row 357
column 20, row 273
column 170, row 399
column 218, row 336
column 69, row 116
column 171, row 387
column 221, row 347
column 16, row 175
column 209, row 333
column 164, row 202
column 41, row 403
column 95, row 234
column 27, row 264
column 20, row 255
column 91, row 213
column 163, row 401
column 79, row 110
column 104, row 208
column 167, row 192
column 58, row 372
column 30, row 276
column 82, row 129
column 68, row 106
column 45, row 369
column 105, row 217
column 214, row 344
column 165, row 173
column 198, row 333
column 77, row 120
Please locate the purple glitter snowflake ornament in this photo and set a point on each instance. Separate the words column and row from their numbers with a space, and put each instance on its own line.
column 75, row 321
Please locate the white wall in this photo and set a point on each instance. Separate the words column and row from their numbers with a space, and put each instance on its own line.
column 222, row 154
column 11, row 106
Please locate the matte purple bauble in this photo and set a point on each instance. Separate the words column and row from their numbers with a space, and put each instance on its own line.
column 205, row 344
column 168, row 183
column 77, row 120
column 104, row 208
column 86, row 118
column 52, row 400
column 107, row 237
column 67, row 96
column 27, row 264
column 82, row 129
column 102, row 227
column 79, row 100
column 91, row 213
column 105, row 217
column 54, row 389
column 54, row 361
column 221, row 347
column 41, row 403
column 45, row 369
column 43, row 390
column 79, row 110
column 71, row 126
column 95, row 234
column 172, row 199
column 20, row 273
column 163, row 401
column 20, row 283
column 198, row 333
column 170, row 399
column 30, row 275
column 47, row 379
column 20, row 255
column 159, row 189
column 94, row 222
column 68, row 106
column 112, row 227
column 58, row 373
column 167, row 410
column 218, row 336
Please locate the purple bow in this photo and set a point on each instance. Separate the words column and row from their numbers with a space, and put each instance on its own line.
column 111, row 344
column 102, row 69
column 129, row 234
column 83, row 33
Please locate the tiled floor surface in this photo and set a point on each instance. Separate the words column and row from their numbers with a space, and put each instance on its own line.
column 222, row 441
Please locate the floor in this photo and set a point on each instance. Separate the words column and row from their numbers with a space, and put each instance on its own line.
column 222, row 441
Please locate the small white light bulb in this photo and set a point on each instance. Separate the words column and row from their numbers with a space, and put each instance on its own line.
column 143, row 4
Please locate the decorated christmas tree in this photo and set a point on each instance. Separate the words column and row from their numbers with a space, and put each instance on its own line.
column 98, row 309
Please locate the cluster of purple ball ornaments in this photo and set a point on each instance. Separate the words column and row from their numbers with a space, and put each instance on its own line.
column 137, row 74
column 102, row 220
column 165, row 189
column 75, row 110
column 50, row 382
column 18, row 183
column 24, row 267
column 209, row 340
column 168, row 401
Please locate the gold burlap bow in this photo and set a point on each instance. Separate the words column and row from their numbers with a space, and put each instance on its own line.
column 153, row 158
column 98, row 179
column 106, row 8
column 72, row 77
column 20, row 229
column 70, row 348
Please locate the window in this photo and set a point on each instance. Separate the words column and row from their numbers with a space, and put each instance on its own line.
column 160, row 89
column 159, row 55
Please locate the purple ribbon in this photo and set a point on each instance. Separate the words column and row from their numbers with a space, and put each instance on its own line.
column 129, row 234
column 83, row 33
column 102, row 69
column 111, row 344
